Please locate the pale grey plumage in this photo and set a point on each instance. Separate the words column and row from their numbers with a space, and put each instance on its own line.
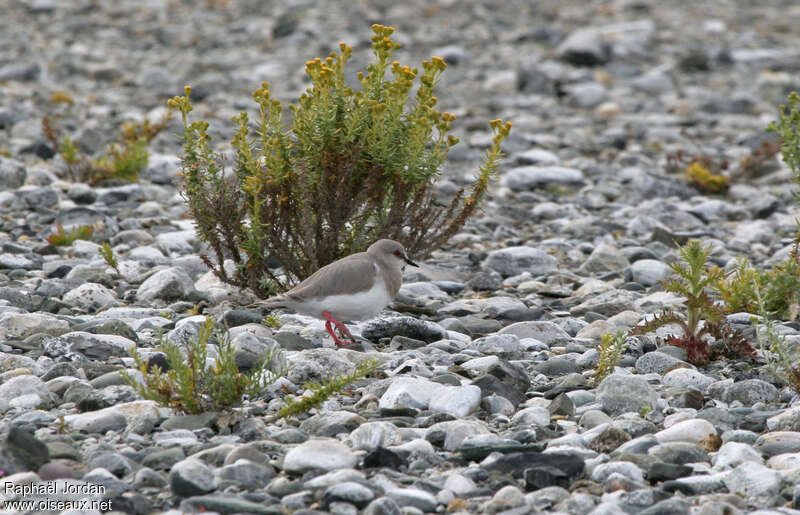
column 353, row 288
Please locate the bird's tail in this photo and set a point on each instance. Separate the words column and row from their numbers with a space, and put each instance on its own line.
column 279, row 301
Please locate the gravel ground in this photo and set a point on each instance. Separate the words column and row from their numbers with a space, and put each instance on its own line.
column 484, row 402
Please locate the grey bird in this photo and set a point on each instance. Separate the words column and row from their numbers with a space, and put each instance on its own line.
column 353, row 288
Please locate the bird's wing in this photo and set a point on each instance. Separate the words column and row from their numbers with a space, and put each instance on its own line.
column 348, row 275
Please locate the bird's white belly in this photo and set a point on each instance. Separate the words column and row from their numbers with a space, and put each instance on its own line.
column 356, row 306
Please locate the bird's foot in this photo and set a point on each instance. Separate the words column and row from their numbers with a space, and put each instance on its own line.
column 332, row 325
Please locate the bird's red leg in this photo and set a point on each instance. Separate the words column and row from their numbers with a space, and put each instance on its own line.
column 343, row 331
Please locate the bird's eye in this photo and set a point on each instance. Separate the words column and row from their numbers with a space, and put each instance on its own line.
column 397, row 253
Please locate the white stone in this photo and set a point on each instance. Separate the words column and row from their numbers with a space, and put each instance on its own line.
column 733, row 454
column 325, row 455
column 693, row 431
column 371, row 435
column 410, row 392
column 18, row 326
column 753, row 480
column 458, row 401
column 534, row 416
column 687, row 378
column 527, row 177
column 90, row 296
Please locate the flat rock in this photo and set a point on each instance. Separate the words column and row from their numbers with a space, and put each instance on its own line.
column 318, row 455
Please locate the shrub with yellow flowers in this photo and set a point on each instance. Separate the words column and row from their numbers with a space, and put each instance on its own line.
column 355, row 166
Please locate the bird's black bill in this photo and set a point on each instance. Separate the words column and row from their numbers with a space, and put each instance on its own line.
column 410, row 262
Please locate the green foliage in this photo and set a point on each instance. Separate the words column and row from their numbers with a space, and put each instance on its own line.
column 68, row 150
column 783, row 289
column 693, row 282
column 738, row 289
column 778, row 289
column 108, row 255
column 787, row 126
column 703, row 321
column 123, row 159
column 611, row 348
column 61, row 238
column 782, row 362
column 325, row 390
column 705, row 180
column 271, row 321
column 355, row 166
column 192, row 387
column 61, row 97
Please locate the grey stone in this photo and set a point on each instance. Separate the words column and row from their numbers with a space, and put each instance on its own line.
column 18, row 326
column 625, row 393
column 655, row 363
column 413, row 497
column 90, row 297
column 25, row 391
column 750, row 391
column 349, row 491
column 331, row 423
column 383, row 506
column 93, row 346
column 754, row 480
column 627, row 469
column 459, row 401
column 192, row 477
column 679, row 453
column 543, row 331
column 587, row 95
column 608, row 303
column 12, row 173
column 169, row 284
column 515, row 260
column 320, row 455
column 524, row 178
column 409, row 327
column 371, row 435
column 648, row 272
column 778, row 442
column 225, row 504
column 505, row 346
column 584, row 47
column 250, row 475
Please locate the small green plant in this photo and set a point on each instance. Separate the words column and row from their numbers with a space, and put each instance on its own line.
column 271, row 321
column 703, row 321
column 356, row 165
column 756, row 162
column 611, row 348
column 782, row 362
column 705, row 180
column 108, row 255
column 325, row 390
column 192, row 387
column 783, row 289
column 68, row 151
column 123, row 159
column 738, row 289
column 787, row 126
column 61, row 97
column 61, row 238
column 778, row 289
